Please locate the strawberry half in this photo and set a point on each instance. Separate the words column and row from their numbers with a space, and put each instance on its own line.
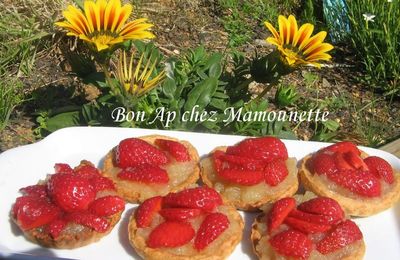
column 210, row 229
column 342, row 235
column 275, row 172
column 360, row 182
column 34, row 190
column 263, row 148
column 144, row 173
column 305, row 226
column 179, row 214
column 176, row 149
column 355, row 161
column 170, row 234
column 132, row 152
column 323, row 163
column 341, row 162
column 71, row 192
column 342, row 147
column 238, row 162
column 280, row 210
column 314, row 218
column 62, row 168
column 292, row 243
column 323, row 206
column 241, row 177
column 146, row 211
column 107, row 206
column 380, row 168
column 90, row 220
column 55, row 227
column 196, row 198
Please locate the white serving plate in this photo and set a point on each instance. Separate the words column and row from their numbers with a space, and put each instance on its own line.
column 25, row 165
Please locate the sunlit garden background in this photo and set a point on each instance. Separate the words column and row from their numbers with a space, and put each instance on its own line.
column 209, row 54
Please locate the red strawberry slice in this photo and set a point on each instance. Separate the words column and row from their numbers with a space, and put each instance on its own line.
column 90, row 220
column 380, row 168
column 144, row 173
column 179, row 214
column 323, row 206
column 241, row 177
column 238, row 162
column 313, row 218
column 170, row 234
column 280, row 210
column 342, row 235
column 341, row 162
column 275, row 172
column 32, row 212
column 55, row 227
column 306, row 227
column 342, row 147
column 292, row 243
column 355, row 160
column 176, row 149
column 132, row 152
column 71, row 192
column 263, row 148
column 34, row 190
column 210, row 229
column 196, row 198
column 107, row 206
column 101, row 183
column 62, row 168
column 86, row 168
column 323, row 163
column 360, row 182
column 146, row 211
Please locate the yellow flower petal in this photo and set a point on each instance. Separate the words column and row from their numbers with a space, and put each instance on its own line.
column 303, row 34
column 292, row 28
column 272, row 30
column 315, row 40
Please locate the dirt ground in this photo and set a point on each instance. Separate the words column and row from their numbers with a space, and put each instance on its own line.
column 184, row 24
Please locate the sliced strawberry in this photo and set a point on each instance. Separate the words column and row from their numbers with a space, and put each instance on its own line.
column 241, row 177
column 323, row 163
column 100, row 183
column 342, row 147
column 107, row 206
column 280, row 210
column 263, row 148
column 355, row 161
column 314, row 218
column 323, row 206
column 32, row 212
column 210, row 229
column 306, row 227
column 71, row 192
column 342, row 235
column 34, row 190
column 170, row 234
column 196, row 198
column 360, row 182
column 341, row 162
column 132, row 152
column 380, row 168
column 86, row 168
column 179, row 214
column 90, row 220
column 176, row 149
column 62, row 168
column 292, row 243
column 146, row 211
column 144, row 173
column 239, row 162
column 55, row 227
column 275, row 172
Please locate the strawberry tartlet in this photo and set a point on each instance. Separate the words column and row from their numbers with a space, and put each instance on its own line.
column 304, row 228
column 363, row 185
column 191, row 224
column 251, row 173
column 150, row 166
column 71, row 208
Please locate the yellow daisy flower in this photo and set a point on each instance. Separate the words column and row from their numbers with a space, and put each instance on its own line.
column 104, row 23
column 136, row 80
column 296, row 45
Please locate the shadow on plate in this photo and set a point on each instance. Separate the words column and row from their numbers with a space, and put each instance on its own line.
column 123, row 234
column 246, row 244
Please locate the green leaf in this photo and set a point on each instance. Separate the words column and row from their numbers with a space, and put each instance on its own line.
column 169, row 88
column 215, row 70
column 63, row 120
column 201, row 94
column 218, row 103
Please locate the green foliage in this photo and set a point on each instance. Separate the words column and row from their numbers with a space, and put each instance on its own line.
column 377, row 42
column 286, row 95
column 326, row 131
column 10, row 96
